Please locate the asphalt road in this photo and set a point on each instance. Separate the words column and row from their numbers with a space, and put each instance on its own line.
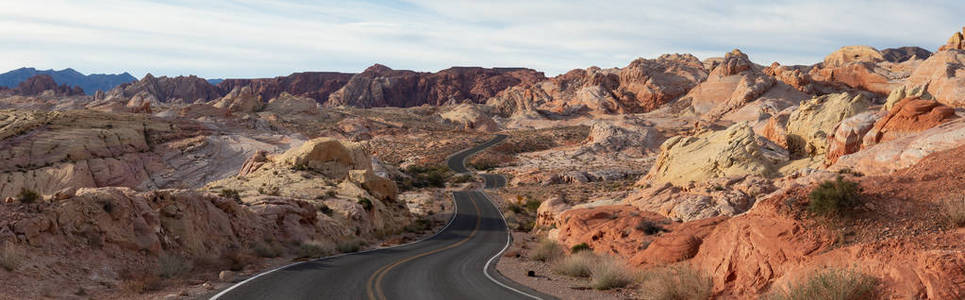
column 456, row 263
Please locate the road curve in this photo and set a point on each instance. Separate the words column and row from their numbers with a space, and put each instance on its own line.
column 456, row 263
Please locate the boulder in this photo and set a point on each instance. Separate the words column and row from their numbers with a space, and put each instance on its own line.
column 847, row 136
column 548, row 211
column 810, row 125
column 908, row 116
column 903, row 92
column 289, row 105
column 240, row 100
column 253, row 163
column 609, row 137
column 380, row 187
column 732, row 152
column 851, row 54
column 727, row 196
column 944, row 75
column 328, row 156
column 470, row 117
column 957, row 41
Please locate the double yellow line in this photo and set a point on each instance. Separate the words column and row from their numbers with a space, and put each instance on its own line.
column 373, row 288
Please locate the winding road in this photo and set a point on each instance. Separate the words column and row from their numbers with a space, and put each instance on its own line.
column 456, row 263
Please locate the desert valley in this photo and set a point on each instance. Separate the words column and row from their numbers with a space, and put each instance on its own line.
column 672, row 177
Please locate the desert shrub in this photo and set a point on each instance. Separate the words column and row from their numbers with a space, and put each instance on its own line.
column 515, row 208
column 11, row 256
column 140, row 281
column 461, row 178
column 526, row 226
column 835, row 198
column 267, row 250
column 230, row 194
column 576, row 264
column 649, row 227
column 546, row 250
column 28, row 196
column 955, row 211
column 349, row 246
column 532, row 205
column 580, row 247
column 610, row 273
column 366, row 203
column 172, row 265
column 322, row 208
column 830, row 284
column 675, row 282
column 419, row 225
column 237, row 260
column 312, row 249
column 427, row 176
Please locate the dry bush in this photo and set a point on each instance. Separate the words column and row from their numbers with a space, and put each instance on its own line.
column 172, row 265
column 955, row 211
column 546, row 250
column 610, row 273
column 578, row 264
column 675, row 282
column 313, row 249
column 349, row 246
column 12, row 256
column 140, row 280
column 835, row 198
column 835, row 284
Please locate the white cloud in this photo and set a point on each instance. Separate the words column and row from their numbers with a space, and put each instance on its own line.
column 270, row 38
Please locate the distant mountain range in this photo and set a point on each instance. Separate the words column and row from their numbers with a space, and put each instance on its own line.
column 90, row 83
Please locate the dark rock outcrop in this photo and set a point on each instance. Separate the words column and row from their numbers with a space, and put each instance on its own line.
column 38, row 84
column 89, row 83
column 315, row 85
column 188, row 89
column 382, row 86
column 897, row 55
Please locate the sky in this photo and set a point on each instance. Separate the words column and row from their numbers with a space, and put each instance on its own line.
column 248, row 39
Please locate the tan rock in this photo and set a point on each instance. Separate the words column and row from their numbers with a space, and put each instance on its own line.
column 289, row 105
column 809, row 127
column 850, row 54
column 944, row 74
column 957, row 41
column 548, row 211
column 379, row 187
column 240, row 100
column 887, row 157
column 329, row 156
column 470, row 117
column 714, row 197
column 735, row 151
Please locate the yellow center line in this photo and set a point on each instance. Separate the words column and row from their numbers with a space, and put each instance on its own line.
column 376, row 278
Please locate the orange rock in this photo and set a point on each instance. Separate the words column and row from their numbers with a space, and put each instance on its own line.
column 908, row 116
column 847, row 136
column 957, row 41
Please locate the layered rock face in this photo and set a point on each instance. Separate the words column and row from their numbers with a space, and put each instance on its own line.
column 735, row 151
column 381, row 86
column 470, row 117
column 810, row 125
column 185, row 89
column 848, row 135
column 957, row 41
column 315, row 85
column 610, row 137
column 643, row 85
column 907, row 117
column 726, row 196
column 944, row 75
column 43, row 84
column 240, row 100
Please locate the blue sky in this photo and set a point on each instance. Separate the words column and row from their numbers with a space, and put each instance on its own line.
column 238, row 39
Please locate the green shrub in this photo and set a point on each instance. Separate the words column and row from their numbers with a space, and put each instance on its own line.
column 835, row 198
column 546, row 250
column 427, row 176
column 580, row 247
column 266, row 250
column 366, row 203
column 28, row 196
column 461, row 179
column 532, row 205
column 230, row 194
column 675, row 282
column 830, row 284
column 312, row 249
column 577, row 264
column 419, row 225
column 609, row 273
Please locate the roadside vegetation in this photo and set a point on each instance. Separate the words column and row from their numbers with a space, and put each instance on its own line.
column 836, row 284
column 679, row 281
column 837, row 198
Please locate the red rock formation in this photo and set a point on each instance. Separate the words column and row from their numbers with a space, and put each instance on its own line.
column 189, row 89
column 381, row 86
column 957, row 41
column 253, row 163
column 847, row 136
column 795, row 76
column 315, row 85
column 39, row 83
column 908, row 116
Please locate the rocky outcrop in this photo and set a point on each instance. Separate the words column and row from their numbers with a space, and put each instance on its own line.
column 809, row 126
column 291, row 105
column 726, row 196
column 470, row 117
column 328, row 156
column 549, row 209
column 857, row 67
column 944, row 75
column 735, row 151
column 847, row 136
column 609, row 137
column 907, row 117
column 240, row 100
column 957, row 41
column 43, row 84
column 184, row 89
column 315, row 85
column 381, row 86
column 643, row 85
column 853, row 54
column 775, row 129
column 903, row 92
column 887, row 157
column 903, row 54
